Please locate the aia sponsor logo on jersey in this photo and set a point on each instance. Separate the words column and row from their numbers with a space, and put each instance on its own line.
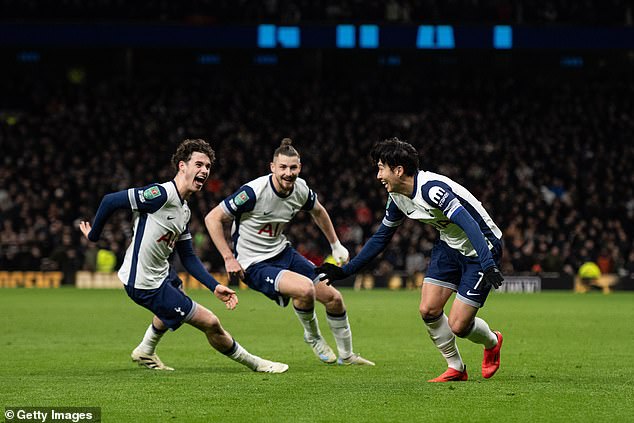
column 169, row 238
column 271, row 229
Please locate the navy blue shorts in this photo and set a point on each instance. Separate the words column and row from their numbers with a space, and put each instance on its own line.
column 451, row 269
column 167, row 302
column 265, row 275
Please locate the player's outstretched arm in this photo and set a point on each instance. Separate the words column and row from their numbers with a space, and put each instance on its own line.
column 214, row 222
column 375, row 245
column 323, row 221
column 109, row 204
column 194, row 266
column 330, row 273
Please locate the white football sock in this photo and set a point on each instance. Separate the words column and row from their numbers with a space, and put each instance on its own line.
column 444, row 339
column 239, row 354
column 151, row 338
column 308, row 319
column 340, row 328
column 482, row 334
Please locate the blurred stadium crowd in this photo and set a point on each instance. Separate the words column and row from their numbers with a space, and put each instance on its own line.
column 549, row 157
column 530, row 12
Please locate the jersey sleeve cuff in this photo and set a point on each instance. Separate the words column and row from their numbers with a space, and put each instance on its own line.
column 227, row 209
column 453, row 206
column 132, row 199
column 392, row 224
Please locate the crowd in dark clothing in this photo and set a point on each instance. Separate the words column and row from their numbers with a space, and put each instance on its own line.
column 550, row 157
column 530, row 12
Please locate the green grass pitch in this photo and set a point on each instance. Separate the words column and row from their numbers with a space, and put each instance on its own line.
column 566, row 357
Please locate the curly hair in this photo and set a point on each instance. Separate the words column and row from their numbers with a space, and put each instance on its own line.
column 188, row 147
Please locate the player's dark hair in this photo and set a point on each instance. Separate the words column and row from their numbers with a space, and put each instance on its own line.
column 394, row 152
column 188, row 147
column 286, row 149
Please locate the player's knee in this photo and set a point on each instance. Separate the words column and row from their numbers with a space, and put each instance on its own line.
column 331, row 299
column 428, row 312
column 335, row 303
column 213, row 326
column 461, row 329
column 306, row 293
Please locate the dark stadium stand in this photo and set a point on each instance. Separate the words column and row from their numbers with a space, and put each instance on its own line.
column 550, row 156
column 591, row 12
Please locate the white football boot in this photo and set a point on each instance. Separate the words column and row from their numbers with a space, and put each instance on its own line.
column 151, row 361
column 354, row 359
column 322, row 350
column 266, row 366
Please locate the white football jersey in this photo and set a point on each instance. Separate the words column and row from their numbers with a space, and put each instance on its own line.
column 260, row 215
column 160, row 220
column 434, row 200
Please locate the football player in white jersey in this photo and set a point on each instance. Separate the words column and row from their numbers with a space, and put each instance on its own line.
column 161, row 217
column 264, row 259
column 465, row 260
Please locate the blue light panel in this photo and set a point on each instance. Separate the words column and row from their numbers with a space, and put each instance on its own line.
column 444, row 37
column 425, row 37
column 288, row 36
column 345, row 36
column 368, row 36
column 266, row 36
column 502, row 37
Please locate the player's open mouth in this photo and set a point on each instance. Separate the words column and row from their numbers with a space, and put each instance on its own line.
column 199, row 180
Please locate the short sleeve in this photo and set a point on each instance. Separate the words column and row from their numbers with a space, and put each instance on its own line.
column 241, row 201
column 147, row 199
column 393, row 215
column 310, row 201
column 440, row 195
